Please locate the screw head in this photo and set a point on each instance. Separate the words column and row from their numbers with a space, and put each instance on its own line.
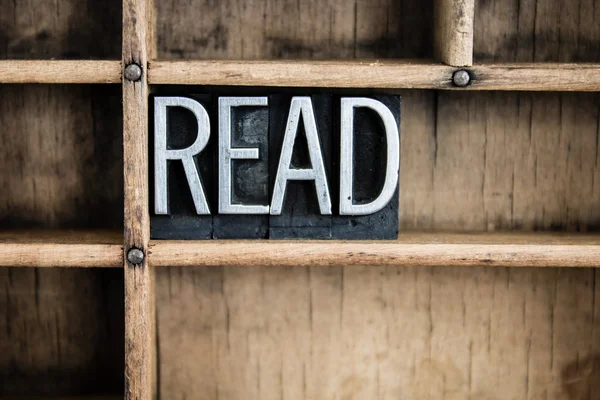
column 133, row 72
column 461, row 78
column 135, row 256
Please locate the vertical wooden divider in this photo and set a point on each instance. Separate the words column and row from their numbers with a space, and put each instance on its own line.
column 138, row 45
column 453, row 32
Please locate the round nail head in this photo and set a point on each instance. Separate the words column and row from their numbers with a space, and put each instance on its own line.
column 461, row 78
column 133, row 72
column 135, row 256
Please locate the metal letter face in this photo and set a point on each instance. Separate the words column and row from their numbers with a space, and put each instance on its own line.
column 294, row 152
column 347, row 150
column 301, row 107
column 162, row 153
column 227, row 153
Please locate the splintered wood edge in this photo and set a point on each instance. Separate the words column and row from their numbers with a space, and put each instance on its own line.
column 60, row 71
column 409, row 250
column 401, row 74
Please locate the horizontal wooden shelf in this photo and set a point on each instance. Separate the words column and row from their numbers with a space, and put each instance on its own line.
column 61, row 249
column 341, row 74
column 411, row 249
column 403, row 74
column 60, row 71
column 104, row 249
column 52, row 397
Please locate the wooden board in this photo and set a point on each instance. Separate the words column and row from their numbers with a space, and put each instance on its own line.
column 52, row 71
column 397, row 74
column 62, row 29
column 537, row 31
column 61, row 248
column 62, row 331
column 290, row 29
column 500, row 161
column 140, row 332
column 409, row 250
column 60, row 167
column 378, row 333
column 60, row 164
column 453, row 31
column 485, row 162
column 470, row 162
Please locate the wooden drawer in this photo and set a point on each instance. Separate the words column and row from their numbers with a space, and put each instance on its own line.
column 489, row 292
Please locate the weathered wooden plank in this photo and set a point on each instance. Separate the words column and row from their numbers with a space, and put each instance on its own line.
column 408, row 250
column 397, row 331
column 60, row 255
column 288, row 29
column 64, row 29
column 140, row 360
column 62, row 332
column 537, row 31
column 377, row 332
column 62, row 248
column 353, row 74
column 48, row 71
column 483, row 162
column 60, row 164
column 538, row 77
column 388, row 75
column 60, row 167
column 522, row 162
column 453, row 31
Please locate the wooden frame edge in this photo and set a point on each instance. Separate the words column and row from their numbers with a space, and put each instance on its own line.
column 140, row 366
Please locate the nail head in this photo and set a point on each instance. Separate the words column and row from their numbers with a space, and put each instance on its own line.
column 133, row 72
column 135, row 256
column 461, row 78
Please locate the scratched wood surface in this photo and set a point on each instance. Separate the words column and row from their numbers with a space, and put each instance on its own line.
column 469, row 162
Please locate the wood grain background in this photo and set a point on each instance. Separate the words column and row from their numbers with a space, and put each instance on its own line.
column 61, row 167
column 470, row 162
